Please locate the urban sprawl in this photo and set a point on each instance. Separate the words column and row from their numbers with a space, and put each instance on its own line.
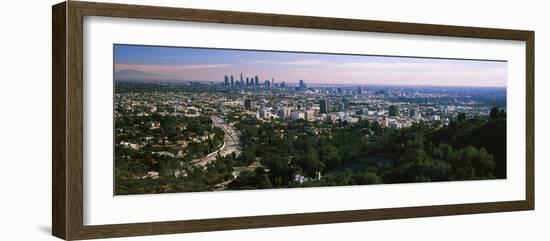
column 221, row 131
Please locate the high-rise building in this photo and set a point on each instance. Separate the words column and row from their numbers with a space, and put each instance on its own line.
column 302, row 86
column 344, row 104
column 324, row 105
column 241, row 78
column 309, row 115
column 415, row 113
column 248, row 104
column 296, row 115
column 264, row 113
column 393, row 110
column 359, row 90
column 256, row 80
column 226, row 80
column 284, row 112
column 267, row 83
column 232, row 81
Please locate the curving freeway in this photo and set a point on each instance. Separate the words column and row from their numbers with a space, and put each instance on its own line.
column 230, row 142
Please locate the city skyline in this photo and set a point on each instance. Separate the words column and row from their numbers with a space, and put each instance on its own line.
column 200, row 64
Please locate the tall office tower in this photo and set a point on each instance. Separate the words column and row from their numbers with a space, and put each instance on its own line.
column 267, row 83
column 393, row 110
column 415, row 113
column 232, row 81
column 241, row 78
column 248, row 104
column 226, row 80
column 344, row 104
column 359, row 90
column 324, row 105
column 283, row 84
column 302, row 86
column 256, row 80
column 246, row 80
column 273, row 82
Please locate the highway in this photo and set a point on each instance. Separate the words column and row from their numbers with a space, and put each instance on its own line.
column 230, row 142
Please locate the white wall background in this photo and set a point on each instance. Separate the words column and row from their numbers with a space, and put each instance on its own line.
column 25, row 120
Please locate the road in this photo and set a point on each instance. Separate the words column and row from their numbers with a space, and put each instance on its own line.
column 236, row 172
column 230, row 142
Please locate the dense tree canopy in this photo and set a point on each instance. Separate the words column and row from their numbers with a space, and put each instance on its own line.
column 284, row 153
column 364, row 153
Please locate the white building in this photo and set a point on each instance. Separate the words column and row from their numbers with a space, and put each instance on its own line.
column 236, row 103
column 309, row 115
column 284, row 112
column 296, row 115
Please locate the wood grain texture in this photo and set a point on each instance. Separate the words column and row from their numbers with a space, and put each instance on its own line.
column 74, row 121
column 280, row 20
column 58, row 121
column 121, row 230
column 67, row 154
column 530, row 120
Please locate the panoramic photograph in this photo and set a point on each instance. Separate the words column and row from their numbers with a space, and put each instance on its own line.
column 190, row 119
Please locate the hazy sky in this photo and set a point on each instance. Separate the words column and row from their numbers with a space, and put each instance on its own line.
column 170, row 63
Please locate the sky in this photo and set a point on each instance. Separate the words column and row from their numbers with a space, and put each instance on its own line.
column 203, row 64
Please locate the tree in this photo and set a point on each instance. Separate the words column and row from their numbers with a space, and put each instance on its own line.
column 497, row 113
column 329, row 156
column 461, row 117
column 368, row 178
column 393, row 111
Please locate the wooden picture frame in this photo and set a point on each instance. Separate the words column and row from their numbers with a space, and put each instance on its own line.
column 67, row 137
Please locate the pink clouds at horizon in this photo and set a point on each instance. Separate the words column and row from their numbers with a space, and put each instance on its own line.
column 167, row 69
column 326, row 72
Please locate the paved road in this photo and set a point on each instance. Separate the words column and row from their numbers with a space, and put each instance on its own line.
column 230, row 142
column 237, row 171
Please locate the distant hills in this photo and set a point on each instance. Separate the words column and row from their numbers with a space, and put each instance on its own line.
column 130, row 74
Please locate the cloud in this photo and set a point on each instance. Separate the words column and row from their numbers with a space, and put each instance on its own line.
column 399, row 66
column 264, row 61
column 310, row 62
column 405, row 67
column 175, row 57
column 168, row 69
column 409, row 73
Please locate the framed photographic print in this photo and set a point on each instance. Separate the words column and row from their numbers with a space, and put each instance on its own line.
column 171, row 120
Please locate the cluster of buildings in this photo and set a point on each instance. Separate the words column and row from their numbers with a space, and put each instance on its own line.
column 389, row 107
column 254, row 81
